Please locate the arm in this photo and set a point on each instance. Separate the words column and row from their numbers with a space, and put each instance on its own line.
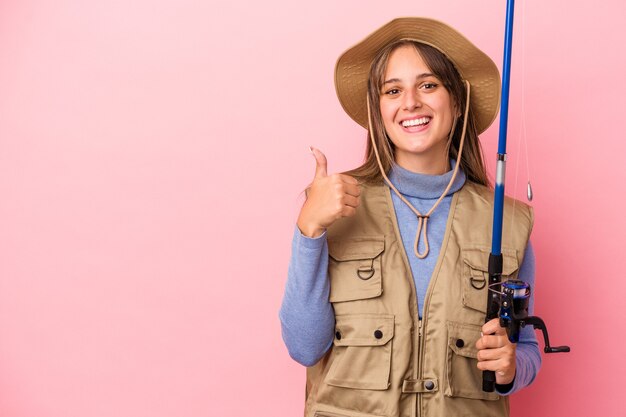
column 307, row 317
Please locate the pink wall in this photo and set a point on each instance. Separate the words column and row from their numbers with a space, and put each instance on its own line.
column 152, row 155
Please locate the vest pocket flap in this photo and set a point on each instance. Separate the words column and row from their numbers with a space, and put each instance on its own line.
column 476, row 277
column 462, row 339
column 363, row 329
column 356, row 248
column 355, row 268
column 478, row 259
column 361, row 356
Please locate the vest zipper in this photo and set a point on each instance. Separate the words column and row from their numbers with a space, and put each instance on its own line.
column 419, row 347
column 417, row 353
column 420, row 356
column 428, row 295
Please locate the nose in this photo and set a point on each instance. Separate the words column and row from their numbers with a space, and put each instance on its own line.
column 411, row 101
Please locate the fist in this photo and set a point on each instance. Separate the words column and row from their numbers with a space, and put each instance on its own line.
column 330, row 197
column 496, row 353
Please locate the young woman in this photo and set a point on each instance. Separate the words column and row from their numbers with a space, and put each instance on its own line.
column 387, row 287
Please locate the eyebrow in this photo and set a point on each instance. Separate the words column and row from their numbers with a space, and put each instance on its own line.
column 395, row 80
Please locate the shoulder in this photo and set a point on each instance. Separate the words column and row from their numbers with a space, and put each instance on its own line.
column 487, row 195
column 481, row 198
column 370, row 216
column 373, row 188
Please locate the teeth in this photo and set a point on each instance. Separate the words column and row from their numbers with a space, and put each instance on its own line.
column 416, row 122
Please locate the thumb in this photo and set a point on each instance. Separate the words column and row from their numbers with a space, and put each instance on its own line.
column 320, row 163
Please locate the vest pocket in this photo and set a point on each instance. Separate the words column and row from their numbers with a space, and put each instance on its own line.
column 355, row 268
column 362, row 351
column 463, row 378
column 476, row 275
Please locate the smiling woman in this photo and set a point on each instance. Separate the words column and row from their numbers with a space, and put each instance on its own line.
column 417, row 112
column 385, row 299
column 428, row 71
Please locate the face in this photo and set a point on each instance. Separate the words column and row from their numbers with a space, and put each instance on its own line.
column 417, row 112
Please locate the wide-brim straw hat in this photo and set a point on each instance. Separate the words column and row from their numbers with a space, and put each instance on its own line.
column 353, row 66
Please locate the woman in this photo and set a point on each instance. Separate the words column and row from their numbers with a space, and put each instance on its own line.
column 386, row 295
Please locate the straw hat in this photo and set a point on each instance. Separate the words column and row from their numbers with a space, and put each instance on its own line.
column 353, row 66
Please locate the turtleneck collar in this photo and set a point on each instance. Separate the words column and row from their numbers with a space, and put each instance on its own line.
column 425, row 186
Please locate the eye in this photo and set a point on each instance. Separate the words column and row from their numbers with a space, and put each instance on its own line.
column 392, row 92
column 429, row 85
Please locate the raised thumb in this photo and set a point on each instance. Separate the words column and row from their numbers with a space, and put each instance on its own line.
column 320, row 163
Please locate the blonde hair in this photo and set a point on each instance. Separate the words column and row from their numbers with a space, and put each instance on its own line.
column 472, row 161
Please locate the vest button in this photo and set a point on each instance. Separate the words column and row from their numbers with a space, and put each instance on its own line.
column 378, row 334
column 429, row 385
column 460, row 343
column 338, row 335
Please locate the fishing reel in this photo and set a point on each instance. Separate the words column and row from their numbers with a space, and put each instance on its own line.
column 514, row 314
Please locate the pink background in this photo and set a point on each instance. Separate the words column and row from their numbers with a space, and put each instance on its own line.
column 152, row 158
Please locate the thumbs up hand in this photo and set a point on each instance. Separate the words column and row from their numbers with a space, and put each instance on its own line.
column 329, row 198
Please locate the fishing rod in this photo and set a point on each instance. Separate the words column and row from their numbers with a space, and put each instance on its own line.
column 510, row 303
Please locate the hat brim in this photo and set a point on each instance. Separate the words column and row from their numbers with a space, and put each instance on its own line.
column 353, row 66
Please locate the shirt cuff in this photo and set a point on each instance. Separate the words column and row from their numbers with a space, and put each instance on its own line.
column 309, row 242
column 505, row 389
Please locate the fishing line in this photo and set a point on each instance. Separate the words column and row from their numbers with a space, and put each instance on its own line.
column 522, row 132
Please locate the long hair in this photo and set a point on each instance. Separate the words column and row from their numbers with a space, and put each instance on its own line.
column 472, row 161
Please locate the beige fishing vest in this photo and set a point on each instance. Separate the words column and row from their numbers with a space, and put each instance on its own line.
column 384, row 360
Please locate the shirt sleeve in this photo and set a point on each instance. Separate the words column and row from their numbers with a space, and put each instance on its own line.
column 306, row 315
column 528, row 358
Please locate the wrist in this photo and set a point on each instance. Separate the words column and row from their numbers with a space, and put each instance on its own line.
column 505, row 388
column 310, row 230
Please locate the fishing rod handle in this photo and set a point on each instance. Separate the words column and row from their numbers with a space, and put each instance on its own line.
column 489, row 381
column 493, row 308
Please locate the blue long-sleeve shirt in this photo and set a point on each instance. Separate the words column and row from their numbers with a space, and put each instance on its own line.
column 307, row 317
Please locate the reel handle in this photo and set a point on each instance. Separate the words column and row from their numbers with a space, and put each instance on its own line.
column 556, row 349
column 538, row 323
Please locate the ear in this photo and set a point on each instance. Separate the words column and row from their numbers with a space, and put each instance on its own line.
column 457, row 113
column 457, row 110
column 454, row 107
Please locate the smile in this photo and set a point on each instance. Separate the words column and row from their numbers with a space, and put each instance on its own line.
column 416, row 122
